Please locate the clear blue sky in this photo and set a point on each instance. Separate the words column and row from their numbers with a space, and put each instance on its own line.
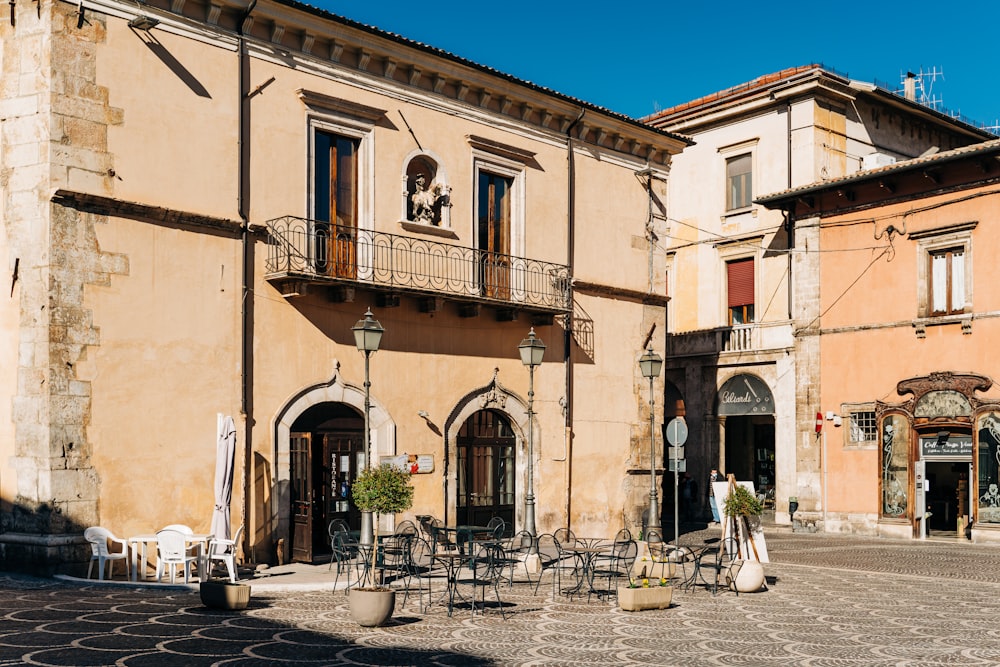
column 637, row 58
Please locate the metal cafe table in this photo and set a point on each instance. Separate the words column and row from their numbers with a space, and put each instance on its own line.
column 586, row 550
column 455, row 560
column 452, row 561
column 463, row 534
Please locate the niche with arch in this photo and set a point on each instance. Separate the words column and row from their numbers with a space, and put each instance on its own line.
column 426, row 194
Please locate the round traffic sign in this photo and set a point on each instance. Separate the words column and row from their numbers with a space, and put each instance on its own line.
column 677, row 431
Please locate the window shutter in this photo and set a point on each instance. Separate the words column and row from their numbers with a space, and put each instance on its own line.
column 740, row 278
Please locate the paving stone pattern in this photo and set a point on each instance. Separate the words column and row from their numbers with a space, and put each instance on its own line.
column 832, row 601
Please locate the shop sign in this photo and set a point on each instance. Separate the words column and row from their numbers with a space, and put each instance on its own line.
column 946, row 447
column 745, row 395
column 412, row 463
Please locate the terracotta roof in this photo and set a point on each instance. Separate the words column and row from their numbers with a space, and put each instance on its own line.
column 992, row 146
column 736, row 91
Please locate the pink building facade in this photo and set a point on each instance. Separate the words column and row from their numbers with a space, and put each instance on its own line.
column 896, row 313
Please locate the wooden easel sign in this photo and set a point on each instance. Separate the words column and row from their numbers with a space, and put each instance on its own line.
column 747, row 530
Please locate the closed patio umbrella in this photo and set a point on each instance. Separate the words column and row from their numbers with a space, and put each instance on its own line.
column 225, row 453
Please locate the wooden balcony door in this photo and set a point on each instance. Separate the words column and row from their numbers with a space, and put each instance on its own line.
column 336, row 204
column 494, row 235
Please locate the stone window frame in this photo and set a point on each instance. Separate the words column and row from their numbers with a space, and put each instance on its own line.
column 738, row 249
column 355, row 121
column 488, row 158
column 848, row 410
column 729, row 154
column 930, row 242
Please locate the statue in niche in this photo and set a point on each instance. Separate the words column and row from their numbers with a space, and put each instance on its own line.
column 426, row 202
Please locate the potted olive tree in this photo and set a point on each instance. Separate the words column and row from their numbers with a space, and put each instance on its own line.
column 744, row 509
column 381, row 490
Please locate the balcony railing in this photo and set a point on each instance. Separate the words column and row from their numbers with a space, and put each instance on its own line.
column 314, row 251
column 756, row 337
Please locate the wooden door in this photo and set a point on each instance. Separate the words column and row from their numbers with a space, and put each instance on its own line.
column 300, row 455
column 494, row 235
column 486, row 447
column 336, row 185
column 341, row 463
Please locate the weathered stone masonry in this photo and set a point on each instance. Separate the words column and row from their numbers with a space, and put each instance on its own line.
column 52, row 141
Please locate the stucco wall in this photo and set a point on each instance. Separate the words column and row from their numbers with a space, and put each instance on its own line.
column 129, row 302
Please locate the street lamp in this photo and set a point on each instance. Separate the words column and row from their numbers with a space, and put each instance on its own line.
column 650, row 364
column 367, row 336
column 532, row 350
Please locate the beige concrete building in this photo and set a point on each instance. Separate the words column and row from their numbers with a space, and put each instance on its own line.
column 199, row 200
column 737, row 270
column 901, row 326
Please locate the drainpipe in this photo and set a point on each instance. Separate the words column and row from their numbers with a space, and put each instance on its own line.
column 788, row 215
column 568, row 327
column 246, row 250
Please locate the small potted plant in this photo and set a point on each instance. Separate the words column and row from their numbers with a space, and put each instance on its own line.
column 381, row 490
column 744, row 507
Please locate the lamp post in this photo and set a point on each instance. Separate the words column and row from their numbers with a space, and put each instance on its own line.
column 532, row 350
column 650, row 364
column 367, row 336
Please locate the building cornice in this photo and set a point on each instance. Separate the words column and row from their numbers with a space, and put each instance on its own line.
column 296, row 30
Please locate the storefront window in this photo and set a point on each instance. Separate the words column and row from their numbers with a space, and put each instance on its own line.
column 989, row 467
column 895, row 434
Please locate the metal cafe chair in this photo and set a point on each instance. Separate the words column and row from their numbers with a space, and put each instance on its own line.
column 553, row 556
column 420, row 566
column 516, row 550
column 345, row 554
column 717, row 557
column 488, row 573
column 616, row 565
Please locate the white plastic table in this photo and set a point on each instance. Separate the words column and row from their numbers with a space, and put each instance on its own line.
column 138, row 543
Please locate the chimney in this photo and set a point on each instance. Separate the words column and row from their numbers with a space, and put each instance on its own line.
column 910, row 87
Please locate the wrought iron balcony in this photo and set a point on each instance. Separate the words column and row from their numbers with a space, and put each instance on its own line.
column 305, row 252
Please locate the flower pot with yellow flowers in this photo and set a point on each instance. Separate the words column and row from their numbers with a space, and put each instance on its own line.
column 645, row 593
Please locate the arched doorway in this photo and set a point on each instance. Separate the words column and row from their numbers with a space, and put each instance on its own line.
column 349, row 401
column 748, row 450
column 325, row 456
column 486, row 471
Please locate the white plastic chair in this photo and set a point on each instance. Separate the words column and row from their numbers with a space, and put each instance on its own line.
column 172, row 550
column 225, row 550
column 101, row 542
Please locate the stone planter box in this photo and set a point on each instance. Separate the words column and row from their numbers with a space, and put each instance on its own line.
column 224, row 595
column 638, row 599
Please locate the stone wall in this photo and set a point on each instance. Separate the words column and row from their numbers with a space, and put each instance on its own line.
column 805, row 283
column 54, row 135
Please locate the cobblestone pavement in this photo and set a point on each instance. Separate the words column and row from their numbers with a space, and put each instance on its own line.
column 831, row 601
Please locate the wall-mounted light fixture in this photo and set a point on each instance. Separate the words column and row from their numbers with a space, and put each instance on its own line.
column 142, row 22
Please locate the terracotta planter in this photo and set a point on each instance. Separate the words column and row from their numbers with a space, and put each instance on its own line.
column 224, row 595
column 371, row 607
column 638, row 599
